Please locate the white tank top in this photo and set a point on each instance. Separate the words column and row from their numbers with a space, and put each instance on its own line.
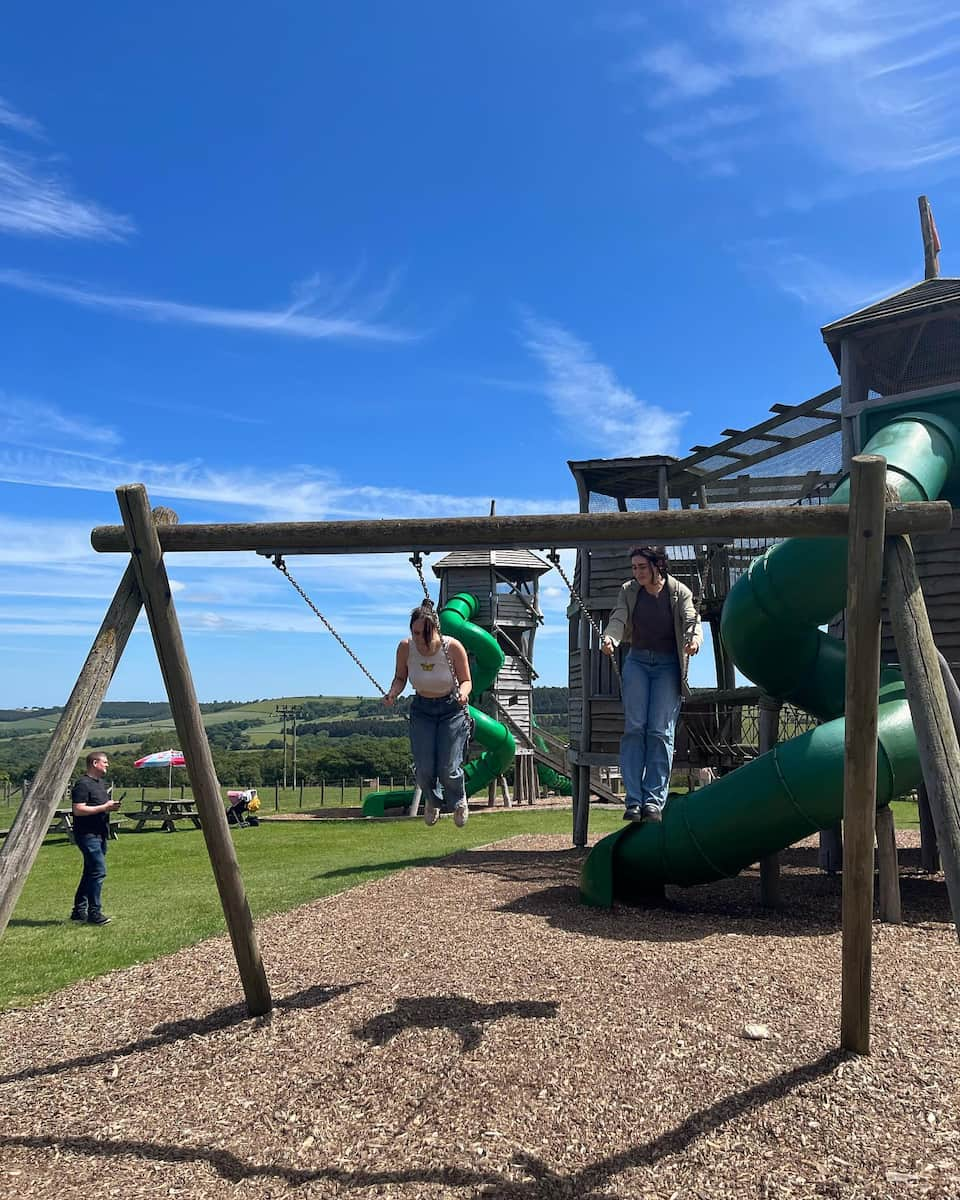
column 429, row 674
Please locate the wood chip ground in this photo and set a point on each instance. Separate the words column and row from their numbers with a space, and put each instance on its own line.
column 469, row 1029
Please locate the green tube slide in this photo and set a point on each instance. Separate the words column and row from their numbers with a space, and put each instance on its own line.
column 770, row 627
column 550, row 778
column 498, row 741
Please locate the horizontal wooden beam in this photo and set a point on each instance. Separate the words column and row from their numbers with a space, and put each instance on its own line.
column 525, row 532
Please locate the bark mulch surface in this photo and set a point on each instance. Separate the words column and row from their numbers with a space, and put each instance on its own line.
column 470, row 1030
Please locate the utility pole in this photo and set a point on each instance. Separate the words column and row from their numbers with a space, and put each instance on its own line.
column 282, row 710
column 293, row 711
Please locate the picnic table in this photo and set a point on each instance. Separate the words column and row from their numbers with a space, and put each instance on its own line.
column 167, row 813
column 62, row 822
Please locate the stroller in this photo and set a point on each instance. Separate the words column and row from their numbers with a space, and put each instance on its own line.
column 242, row 808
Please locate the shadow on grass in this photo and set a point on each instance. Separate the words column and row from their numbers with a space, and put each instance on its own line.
column 186, row 1027
column 466, row 1018
column 26, row 923
column 383, row 867
column 592, row 1182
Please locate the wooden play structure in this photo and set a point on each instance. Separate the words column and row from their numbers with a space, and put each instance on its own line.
column 506, row 584
column 692, row 503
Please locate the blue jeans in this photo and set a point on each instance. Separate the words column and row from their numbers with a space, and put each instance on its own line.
column 651, row 703
column 94, row 851
column 439, row 732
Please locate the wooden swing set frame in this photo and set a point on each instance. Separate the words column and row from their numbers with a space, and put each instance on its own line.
column 869, row 522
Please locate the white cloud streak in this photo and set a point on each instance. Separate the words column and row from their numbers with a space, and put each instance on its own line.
column 587, row 397
column 298, row 493
column 357, row 325
column 816, row 284
column 870, row 86
column 23, row 420
column 11, row 119
column 36, row 201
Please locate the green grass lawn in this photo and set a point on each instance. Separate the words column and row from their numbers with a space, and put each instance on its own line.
column 161, row 894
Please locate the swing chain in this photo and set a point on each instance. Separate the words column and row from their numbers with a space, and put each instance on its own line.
column 554, row 556
column 417, row 560
column 281, row 566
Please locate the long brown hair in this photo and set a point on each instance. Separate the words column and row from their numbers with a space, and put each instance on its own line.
column 656, row 556
column 427, row 614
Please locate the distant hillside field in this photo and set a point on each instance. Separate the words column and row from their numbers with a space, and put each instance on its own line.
column 337, row 737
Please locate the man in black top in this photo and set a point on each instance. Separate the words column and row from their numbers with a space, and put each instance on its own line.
column 92, row 805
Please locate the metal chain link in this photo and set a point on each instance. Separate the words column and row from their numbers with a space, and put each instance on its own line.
column 417, row 560
column 554, row 556
column 281, row 566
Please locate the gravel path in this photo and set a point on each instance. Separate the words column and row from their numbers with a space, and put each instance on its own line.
column 470, row 1030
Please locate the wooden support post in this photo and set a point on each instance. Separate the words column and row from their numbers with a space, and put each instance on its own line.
column 929, row 708
column 768, row 737
column 33, row 819
column 581, row 781
column 888, row 880
column 581, row 804
column 158, row 601
column 864, row 587
column 830, row 854
column 931, row 240
column 929, row 851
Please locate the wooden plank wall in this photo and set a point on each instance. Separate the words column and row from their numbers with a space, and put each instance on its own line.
column 476, row 581
column 938, row 566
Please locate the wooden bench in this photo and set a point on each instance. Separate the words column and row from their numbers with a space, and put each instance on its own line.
column 62, row 822
column 166, row 813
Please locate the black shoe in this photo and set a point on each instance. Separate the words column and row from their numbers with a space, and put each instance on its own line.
column 98, row 918
column 652, row 813
column 633, row 814
column 78, row 914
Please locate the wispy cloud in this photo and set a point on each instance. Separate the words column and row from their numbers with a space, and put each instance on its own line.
column 870, row 86
column 587, row 397
column 823, row 286
column 25, row 422
column 11, row 119
column 356, row 323
column 297, row 493
column 38, row 201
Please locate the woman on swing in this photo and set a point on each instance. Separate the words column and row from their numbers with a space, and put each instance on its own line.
column 439, row 671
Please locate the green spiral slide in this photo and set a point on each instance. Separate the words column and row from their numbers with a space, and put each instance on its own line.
column 487, row 660
column 770, row 626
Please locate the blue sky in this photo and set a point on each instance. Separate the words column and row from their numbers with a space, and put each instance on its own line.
column 317, row 261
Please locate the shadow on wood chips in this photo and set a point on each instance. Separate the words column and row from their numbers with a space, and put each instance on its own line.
column 588, row 1183
column 810, row 899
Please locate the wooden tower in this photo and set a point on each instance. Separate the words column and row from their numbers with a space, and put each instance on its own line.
column 506, row 584
column 898, row 356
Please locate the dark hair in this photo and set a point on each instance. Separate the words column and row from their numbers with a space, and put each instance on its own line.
column 93, row 756
column 426, row 613
column 656, row 556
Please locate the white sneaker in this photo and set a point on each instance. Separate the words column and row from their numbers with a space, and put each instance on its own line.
column 460, row 814
column 431, row 811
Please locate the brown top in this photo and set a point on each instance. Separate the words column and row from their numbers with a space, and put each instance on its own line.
column 652, row 625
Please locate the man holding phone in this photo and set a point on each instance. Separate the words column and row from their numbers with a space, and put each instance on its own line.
column 92, row 805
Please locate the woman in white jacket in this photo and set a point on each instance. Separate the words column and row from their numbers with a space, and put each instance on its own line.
column 654, row 615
